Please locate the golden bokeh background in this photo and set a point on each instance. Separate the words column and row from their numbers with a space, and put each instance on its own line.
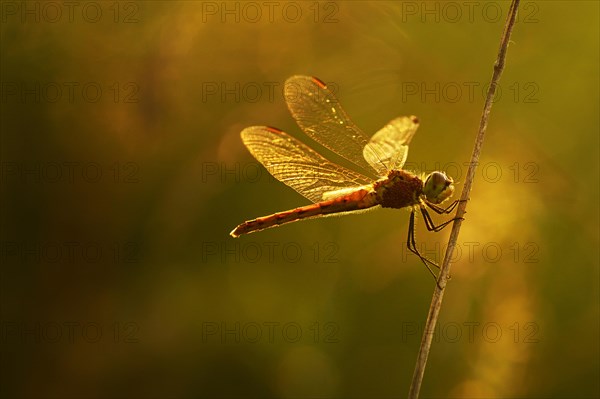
column 123, row 174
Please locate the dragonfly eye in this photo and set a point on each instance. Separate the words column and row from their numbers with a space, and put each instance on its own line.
column 438, row 187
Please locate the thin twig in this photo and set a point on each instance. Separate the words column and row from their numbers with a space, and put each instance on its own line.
column 438, row 293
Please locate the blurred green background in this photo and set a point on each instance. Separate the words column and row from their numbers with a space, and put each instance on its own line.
column 123, row 174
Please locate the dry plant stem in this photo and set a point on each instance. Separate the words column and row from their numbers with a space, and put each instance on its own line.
column 438, row 293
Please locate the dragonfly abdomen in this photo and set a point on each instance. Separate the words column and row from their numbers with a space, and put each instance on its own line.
column 357, row 200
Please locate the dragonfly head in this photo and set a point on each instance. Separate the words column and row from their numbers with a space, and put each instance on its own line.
column 438, row 187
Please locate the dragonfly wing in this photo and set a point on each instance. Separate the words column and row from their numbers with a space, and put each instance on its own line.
column 388, row 148
column 321, row 117
column 297, row 165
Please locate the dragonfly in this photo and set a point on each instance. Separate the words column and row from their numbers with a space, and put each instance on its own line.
column 332, row 188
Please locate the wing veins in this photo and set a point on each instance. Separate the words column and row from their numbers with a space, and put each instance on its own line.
column 297, row 165
column 320, row 115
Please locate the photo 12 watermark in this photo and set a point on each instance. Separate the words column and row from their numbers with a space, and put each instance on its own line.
column 70, row 12
column 253, row 12
column 68, row 332
column 269, row 332
column 480, row 252
column 469, row 92
column 69, row 252
column 269, row 252
column 474, row 331
column 69, row 92
column 465, row 11
column 257, row 91
column 69, row 172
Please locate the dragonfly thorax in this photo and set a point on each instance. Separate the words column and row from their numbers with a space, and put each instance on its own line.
column 399, row 189
column 438, row 187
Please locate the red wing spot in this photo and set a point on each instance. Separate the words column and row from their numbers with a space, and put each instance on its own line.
column 319, row 82
column 274, row 129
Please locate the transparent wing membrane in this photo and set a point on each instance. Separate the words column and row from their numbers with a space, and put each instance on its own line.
column 297, row 165
column 391, row 143
column 320, row 115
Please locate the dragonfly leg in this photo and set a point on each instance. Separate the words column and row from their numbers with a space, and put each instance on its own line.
column 429, row 222
column 439, row 210
column 412, row 246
